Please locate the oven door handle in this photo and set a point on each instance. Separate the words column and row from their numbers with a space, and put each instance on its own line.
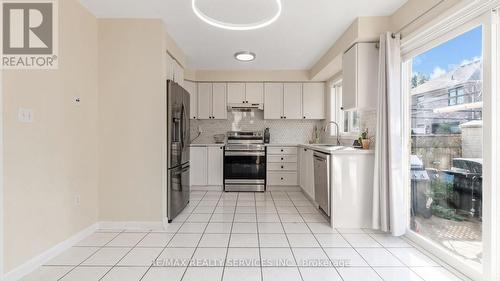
column 243, row 153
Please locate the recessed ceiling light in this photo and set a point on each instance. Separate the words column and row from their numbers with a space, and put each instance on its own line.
column 233, row 26
column 244, row 56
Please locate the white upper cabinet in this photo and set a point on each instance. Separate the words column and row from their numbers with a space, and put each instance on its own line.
column 360, row 77
column 236, row 93
column 313, row 101
column 255, row 93
column 273, row 101
column 251, row 93
column 204, row 100
column 292, row 101
column 212, row 101
column 193, row 98
column 219, row 106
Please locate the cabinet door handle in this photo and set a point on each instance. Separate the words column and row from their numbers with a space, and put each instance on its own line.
column 282, row 178
column 282, row 150
column 282, row 159
column 304, row 117
column 284, row 117
column 282, row 167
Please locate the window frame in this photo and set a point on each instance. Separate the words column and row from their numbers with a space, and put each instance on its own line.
column 456, row 96
column 337, row 114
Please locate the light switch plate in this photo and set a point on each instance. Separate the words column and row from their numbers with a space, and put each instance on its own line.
column 25, row 115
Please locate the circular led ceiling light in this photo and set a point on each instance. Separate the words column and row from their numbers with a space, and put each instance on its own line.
column 244, row 56
column 234, row 26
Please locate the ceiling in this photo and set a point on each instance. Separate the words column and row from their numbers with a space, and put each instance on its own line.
column 305, row 30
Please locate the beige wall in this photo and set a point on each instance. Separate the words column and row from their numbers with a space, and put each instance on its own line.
column 52, row 160
column 248, row 75
column 364, row 29
column 369, row 28
column 132, row 108
column 412, row 9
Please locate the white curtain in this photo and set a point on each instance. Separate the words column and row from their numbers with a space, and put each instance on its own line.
column 389, row 212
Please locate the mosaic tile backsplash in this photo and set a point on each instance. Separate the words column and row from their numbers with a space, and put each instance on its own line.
column 282, row 131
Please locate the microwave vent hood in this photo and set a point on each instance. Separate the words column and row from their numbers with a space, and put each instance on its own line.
column 245, row 106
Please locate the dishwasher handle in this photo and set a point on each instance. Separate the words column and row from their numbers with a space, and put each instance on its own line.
column 321, row 156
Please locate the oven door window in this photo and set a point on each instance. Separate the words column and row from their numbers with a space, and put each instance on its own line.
column 245, row 167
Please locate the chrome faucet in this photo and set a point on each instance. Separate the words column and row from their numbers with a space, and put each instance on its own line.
column 338, row 131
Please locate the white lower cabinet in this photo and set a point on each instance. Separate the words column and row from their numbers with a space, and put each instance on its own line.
column 352, row 190
column 282, row 166
column 215, row 165
column 207, row 164
column 282, row 178
column 306, row 164
column 198, row 166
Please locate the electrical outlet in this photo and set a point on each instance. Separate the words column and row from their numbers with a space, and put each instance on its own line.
column 25, row 115
column 77, row 200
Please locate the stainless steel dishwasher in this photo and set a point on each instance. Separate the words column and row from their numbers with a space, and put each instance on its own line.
column 322, row 181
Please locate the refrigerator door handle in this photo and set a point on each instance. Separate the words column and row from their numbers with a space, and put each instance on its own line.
column 183, row 126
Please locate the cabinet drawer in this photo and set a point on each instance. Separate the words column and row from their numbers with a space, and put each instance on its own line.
column 282, row 150
column 281, row 178
column 282, row 158
column 282, row 167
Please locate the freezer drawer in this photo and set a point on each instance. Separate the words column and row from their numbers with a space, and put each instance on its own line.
column 177, row 190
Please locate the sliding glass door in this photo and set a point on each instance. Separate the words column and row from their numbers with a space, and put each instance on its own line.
column 449, row 87
column 446, row 117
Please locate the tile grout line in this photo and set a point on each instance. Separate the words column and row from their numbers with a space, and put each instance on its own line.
column 99, row 248
column 286, row 235
column 166, row 246
column 115, row 265
column 317, row 241
column 258, row 237
column 202, row 234
column 230, row 234
column 369, row 265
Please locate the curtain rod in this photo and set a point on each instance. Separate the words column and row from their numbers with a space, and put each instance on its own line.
column 417, row 18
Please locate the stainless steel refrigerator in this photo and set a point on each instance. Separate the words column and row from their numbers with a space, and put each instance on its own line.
column 178, row 140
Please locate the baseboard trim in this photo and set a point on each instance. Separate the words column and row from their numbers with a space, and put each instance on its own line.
column 206, row 188
column 131, row 225
column 32, row 264
column 291, row 188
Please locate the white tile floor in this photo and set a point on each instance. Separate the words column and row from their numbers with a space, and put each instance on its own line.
column 244, row 236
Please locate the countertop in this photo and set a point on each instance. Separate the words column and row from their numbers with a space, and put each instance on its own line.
column 337, row 149
column 324, row 149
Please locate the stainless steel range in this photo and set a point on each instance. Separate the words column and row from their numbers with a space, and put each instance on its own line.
column 245, row 162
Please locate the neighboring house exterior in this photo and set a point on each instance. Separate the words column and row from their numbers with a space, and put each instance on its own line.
column 441, row 105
